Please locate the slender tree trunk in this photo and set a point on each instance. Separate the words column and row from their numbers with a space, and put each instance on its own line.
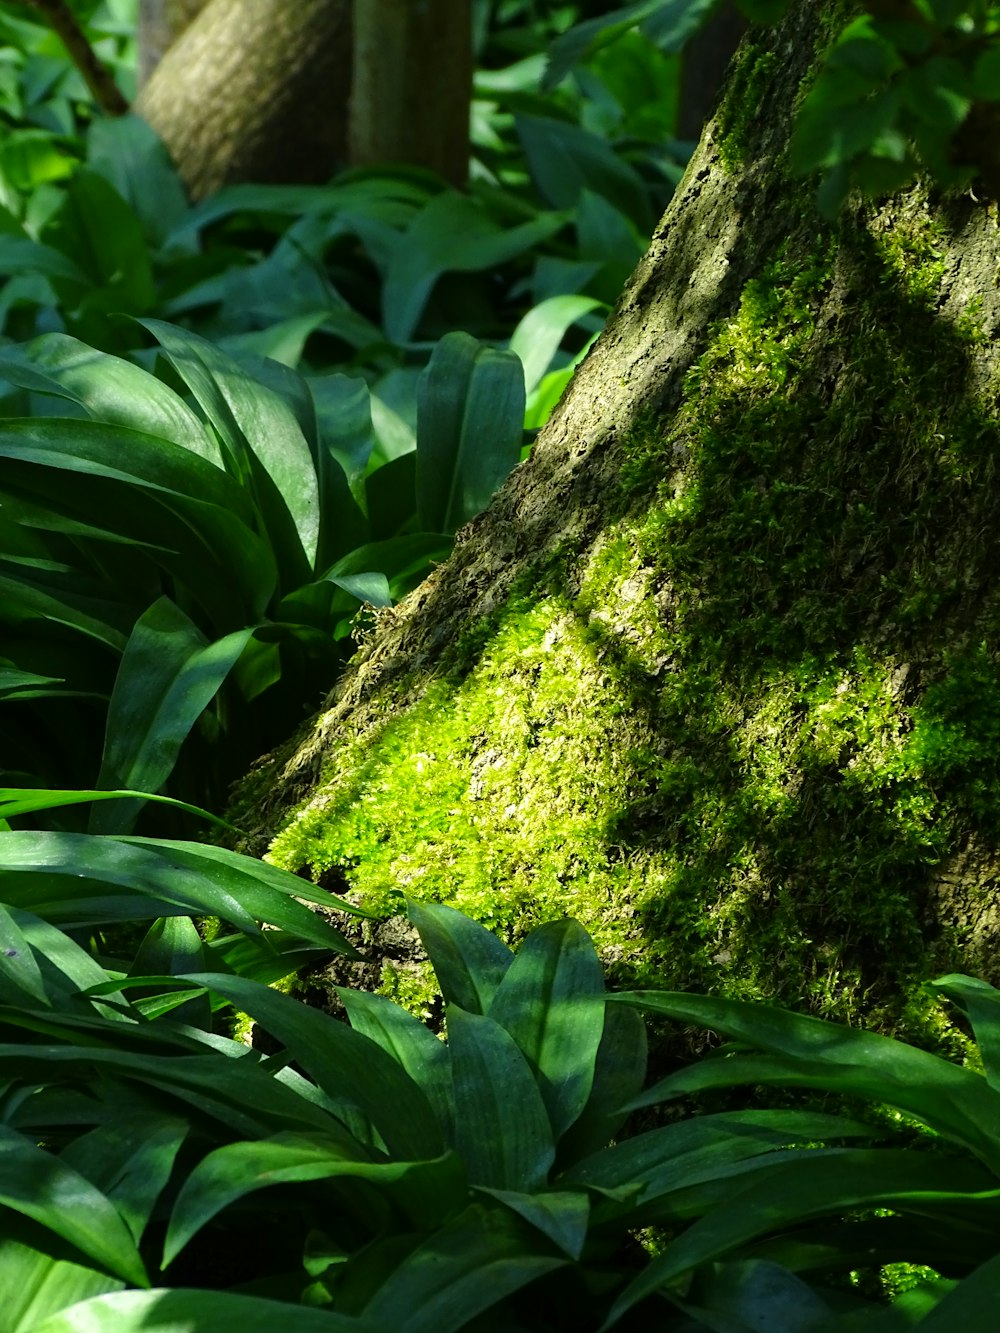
column 254, row 92
column 717, row 672
column 412, row 84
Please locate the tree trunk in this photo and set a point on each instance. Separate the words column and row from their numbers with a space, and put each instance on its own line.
column 716, row 673
column 261, row 99
column 412, row 83
column 159, row 24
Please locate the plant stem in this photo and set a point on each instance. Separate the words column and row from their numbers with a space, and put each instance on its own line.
column 106, row 92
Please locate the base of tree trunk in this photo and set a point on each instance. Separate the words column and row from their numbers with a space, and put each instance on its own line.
column 717, row 674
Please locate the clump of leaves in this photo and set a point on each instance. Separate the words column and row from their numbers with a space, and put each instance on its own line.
column 487, row 1181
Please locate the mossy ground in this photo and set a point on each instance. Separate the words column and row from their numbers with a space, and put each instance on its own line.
column 737, row 735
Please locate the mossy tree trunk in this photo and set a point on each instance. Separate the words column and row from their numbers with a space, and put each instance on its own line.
column 254, row 97
column 717, row 673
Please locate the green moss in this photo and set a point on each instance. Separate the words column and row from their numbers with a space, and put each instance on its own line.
column 737, row 740
column 751, row 75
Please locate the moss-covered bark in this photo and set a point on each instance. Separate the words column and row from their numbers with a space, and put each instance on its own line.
column 717, row 673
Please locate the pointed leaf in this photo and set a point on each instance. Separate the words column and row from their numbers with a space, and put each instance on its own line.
column 538, row 336
column 502, row 1129
column 561, row 1215
column 41, row 1275
column 354, row 1072
column 470, row 417
column 207, row 1311
column 468, row 960
column 37, row 1184
column 168, row 676
column 551, row 1002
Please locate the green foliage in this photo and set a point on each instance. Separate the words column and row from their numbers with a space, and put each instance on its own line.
column 903, row 89
column 395, row 1187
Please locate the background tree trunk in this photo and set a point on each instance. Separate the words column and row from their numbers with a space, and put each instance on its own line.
column 160, row 23
column 237, row 98
column 412, row 83
column 716, row 673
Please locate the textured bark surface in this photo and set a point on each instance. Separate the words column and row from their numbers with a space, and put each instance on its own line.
column 717, row 671
column 159, row 24
column 412, row 81
column 254, row 93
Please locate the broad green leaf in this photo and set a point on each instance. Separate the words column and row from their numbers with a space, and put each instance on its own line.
column 162, row 1311
column 264, row 438
column 468, row 960
column 110, row 389
column 971, row 1306
column 813, row 1186
column 688, row 1152
column 469, row 422
column 561, row 1215
column 354, row 1072
column 585, row 39
column 673, row 23
column 103, row 237
column 427, row 1191
column 172, row 946
column 41, row 1275
column 168, row 676
column 756, row 1294
column 450, row 234
column 565, row 159
column 619, row 1074
column 490, row 1078
column 814, row 1053
column 539, row 334
column 20, row 976
column 75, row 879
column 45, row 965
column 190, row 509
column 25, row 800
column 28, row 599
column 37, row 1184
column 132, row 158
column 410, row 1043
column 465, row 1268
column 551, row 1001
column 980, row 1003
column 130, row 1160
column 19, row 254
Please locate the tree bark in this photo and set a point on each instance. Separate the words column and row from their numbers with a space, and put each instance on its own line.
column 160, row 23
column 717, row 671
column 412, row 83
column 236, row 99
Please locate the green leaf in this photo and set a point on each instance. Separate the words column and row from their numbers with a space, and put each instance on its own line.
column 26, row 800
column 168, row 676
column 585, row 39
column 40, row 964
column 551, row 1002
column 37, row 1184
column 355, row 1074
column 469, row 421
column 207, row 1311
column 561, row 1215
column 427, row 1191
column 539, row 334
column 20, row 976
column 756, row 1294
column 41, row 1275
column 971, row 1306
column 466, row 1267
column 264, row 440
column 132, row 158
column 450, row 234
column 619, row 1074
column 110, row 389
column 130, row 1160
column 98, row 231
column 74, row 879
column 811, row 1186
column 490, row 1076
column 813, row 1053
column 468, row 960
column 980, row 1003
column 410, row 1043
column 565, row 159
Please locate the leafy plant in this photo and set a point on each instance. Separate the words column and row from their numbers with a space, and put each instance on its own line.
column 172, row 554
